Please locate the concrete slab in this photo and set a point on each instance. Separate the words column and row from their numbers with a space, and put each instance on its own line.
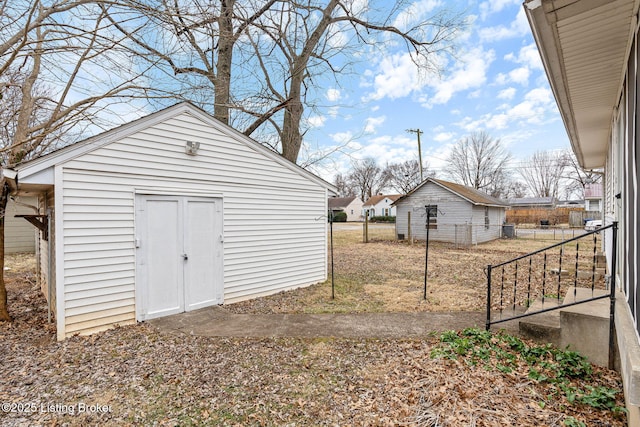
column 217, row 322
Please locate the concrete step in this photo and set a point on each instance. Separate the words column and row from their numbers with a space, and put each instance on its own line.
column 582, row 327
column 543, row 327
column 586, row 274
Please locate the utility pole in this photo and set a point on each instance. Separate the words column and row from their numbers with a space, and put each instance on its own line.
column 418, row 132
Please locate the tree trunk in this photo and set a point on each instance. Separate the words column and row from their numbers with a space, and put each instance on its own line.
column 222, row 81
column 4, row 198
column 291, row 136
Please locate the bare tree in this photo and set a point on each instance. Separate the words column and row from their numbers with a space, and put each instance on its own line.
column 576, row 177
column 343, row 184
column 307, row 39
column 480, row 162
column 367, row 177
column 543, row 173
column 48, row 50
column 262, row 59
column 513, row 190
column 404, row 177
column 193, row 41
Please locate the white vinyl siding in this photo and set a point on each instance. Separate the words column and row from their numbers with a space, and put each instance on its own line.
column 457, row 217
column 452, row 210
column 20, row 236
column 280, row 247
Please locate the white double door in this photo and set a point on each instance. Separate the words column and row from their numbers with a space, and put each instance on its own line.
column 179, row 254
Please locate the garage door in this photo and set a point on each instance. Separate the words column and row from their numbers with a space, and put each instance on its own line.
column 179, row 257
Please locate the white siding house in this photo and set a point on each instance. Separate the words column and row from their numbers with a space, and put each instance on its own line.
column 591, row 54
column 463, row 215
column 20, row 236
column 144, row 228
column 352, row 206
column 380, row 205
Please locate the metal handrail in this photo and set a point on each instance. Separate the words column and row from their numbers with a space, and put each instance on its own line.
column 611, row 295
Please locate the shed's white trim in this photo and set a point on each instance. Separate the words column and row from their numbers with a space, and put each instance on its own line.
column 58, row 248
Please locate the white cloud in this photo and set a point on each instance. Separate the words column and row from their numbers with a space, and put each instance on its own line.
column 537, row 107
column 342, row 137
column 517, row 28
column 470, row 73
column 398, row 77
column 387, row 149
column 520, row 75
column 494, row 6
column 444, row 136
column 507, row 93
column 527, row 56
column 333, row 95
column 316, row 121
column 415, row 13
column 540, row 95
column 372, row 124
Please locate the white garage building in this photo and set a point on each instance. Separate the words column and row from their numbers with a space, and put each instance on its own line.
column 171, row 213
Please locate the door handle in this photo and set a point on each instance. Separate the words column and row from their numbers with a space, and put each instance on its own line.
column 185, row 257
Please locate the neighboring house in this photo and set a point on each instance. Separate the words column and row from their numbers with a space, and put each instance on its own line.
column 533, row 203
column 380, row 205
column 593, row 197
column 461, row 215
column 19, row 235
column 159, row 216
column 591, row 54
column 352, row 206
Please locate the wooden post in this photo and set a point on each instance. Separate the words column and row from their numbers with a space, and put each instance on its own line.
column 366, row 228
column 409, row 228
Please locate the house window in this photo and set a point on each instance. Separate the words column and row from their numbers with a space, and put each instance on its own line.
column 351, row 211
column 486, row 217
column 432, row 215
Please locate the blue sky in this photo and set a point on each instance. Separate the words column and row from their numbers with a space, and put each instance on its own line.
column 496, row 84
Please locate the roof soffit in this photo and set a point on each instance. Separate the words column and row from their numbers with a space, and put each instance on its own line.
column 584, row 45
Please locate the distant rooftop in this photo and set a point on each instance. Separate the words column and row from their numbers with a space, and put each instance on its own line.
column 532, row 201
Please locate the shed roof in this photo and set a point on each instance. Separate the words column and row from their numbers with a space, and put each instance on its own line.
column 41, row 164
column 470, row 194
column 374, row 200
column 340, row 202
column 532, row 201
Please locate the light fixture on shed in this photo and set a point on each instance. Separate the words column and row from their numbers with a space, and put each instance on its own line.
column 191, row 147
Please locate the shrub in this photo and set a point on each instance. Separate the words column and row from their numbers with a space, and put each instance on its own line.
column 340, row 217
column 383, row 219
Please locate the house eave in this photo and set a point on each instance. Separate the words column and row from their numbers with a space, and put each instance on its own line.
column 584, row 45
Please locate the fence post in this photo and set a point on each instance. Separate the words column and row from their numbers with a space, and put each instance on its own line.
column 365, row 228
column 488, row 322
column 409, row 228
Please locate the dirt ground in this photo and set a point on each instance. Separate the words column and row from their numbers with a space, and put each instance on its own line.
column 386, row 275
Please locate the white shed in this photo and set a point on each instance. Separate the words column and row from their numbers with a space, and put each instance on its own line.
column 171, row 213
column 459, row 214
